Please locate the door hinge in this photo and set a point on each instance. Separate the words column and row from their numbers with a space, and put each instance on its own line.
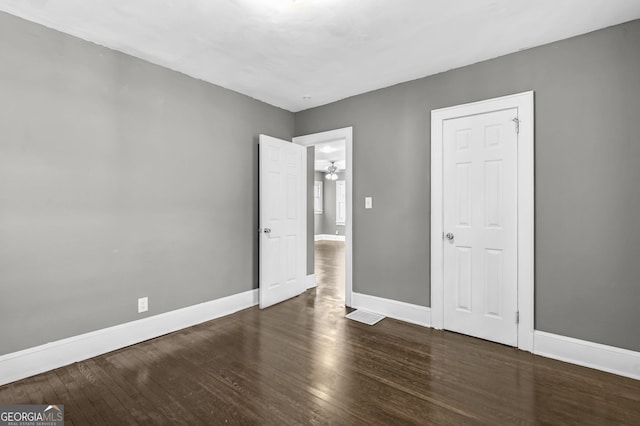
column 517, row 317
column 516, row 121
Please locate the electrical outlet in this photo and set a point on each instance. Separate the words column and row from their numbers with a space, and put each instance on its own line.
column 143, row 304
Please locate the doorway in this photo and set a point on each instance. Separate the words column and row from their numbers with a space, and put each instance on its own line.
column 333, row 203
column 482, row 219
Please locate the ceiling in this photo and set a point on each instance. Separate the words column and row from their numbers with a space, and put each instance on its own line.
column 297, row 54
column 327, row 152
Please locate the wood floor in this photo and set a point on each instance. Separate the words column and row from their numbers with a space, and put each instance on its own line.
column 301, row 362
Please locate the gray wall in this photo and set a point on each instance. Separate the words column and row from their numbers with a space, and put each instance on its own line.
column 311, row 159
column 325, row 223
column 587, row 151
column 118, row 179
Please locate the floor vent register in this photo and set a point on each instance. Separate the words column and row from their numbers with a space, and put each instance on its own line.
column 365, row 317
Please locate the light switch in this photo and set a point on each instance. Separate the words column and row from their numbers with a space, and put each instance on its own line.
column 368, row 202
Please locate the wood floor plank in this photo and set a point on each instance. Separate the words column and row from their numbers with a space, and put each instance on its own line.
column 78, row 391
column 163, row 396
column 202, row 393
column 6, row 394
column 72, row 411
column 141, row 396
column 110, row 392
column 301, row 362
column 21, row 392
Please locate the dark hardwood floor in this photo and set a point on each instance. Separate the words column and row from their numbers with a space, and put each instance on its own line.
column 301, row 362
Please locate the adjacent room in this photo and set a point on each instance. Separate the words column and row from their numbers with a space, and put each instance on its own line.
column 320, row 212
column 329, row 224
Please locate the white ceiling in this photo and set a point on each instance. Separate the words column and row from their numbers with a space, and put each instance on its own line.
column 281, row 51
column 327, row 152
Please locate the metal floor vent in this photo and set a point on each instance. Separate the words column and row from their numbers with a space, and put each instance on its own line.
column 365, row 317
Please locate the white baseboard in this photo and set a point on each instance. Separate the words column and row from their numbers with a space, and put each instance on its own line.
column 311, row 281
column 36, row 360
column 415, row 314
column 588, row 354
column 328, row 237
column 32, row 361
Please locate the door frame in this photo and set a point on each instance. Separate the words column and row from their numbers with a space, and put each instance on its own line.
column 345, row 133
column 524, row 103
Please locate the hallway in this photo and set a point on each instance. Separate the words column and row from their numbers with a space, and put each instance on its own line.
column 330, row 270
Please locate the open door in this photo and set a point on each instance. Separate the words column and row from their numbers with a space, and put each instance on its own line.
column 282, row 220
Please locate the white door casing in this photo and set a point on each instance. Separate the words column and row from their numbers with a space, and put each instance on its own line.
column 480, row 224
column 443, row 120
column 282, row 220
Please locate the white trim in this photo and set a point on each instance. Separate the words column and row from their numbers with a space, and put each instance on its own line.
column 524, row 103
column 328, row 237
column 303, row 226
column 407, row 312
column 36, row 360
column 311, row 281
column 588, row 354
column 345, row 133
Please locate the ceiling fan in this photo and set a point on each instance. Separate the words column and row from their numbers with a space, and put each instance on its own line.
column 332, row 171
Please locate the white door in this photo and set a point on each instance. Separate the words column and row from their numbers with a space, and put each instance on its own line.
column 480, row 226
column 282, row 220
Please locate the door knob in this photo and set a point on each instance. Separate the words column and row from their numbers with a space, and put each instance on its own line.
column 449, row 236
column 267, row 230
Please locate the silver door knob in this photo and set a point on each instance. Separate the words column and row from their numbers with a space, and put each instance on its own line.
column 267, row 230
column 449, row 236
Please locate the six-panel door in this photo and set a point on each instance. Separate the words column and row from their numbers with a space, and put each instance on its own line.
column 480, row 216
column 282, row 220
